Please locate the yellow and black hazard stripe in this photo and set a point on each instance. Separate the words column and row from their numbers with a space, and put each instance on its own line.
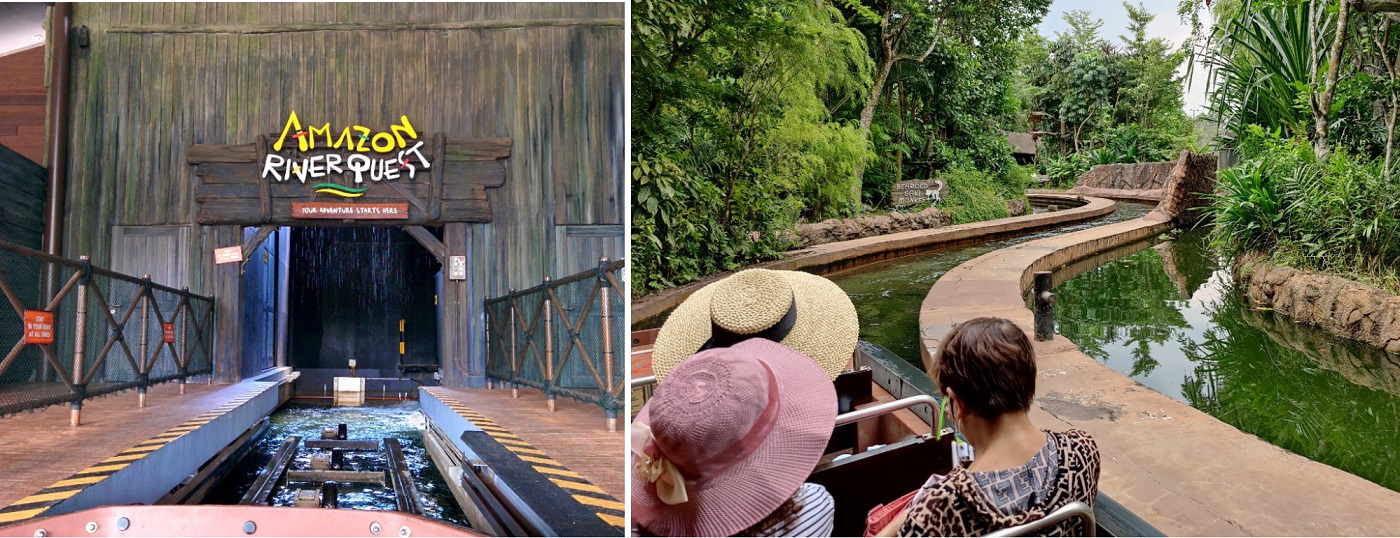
column 44, row 499
column 603, row 505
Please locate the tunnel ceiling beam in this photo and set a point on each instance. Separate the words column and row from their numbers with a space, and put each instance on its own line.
column 256, row 241
column 429, row 241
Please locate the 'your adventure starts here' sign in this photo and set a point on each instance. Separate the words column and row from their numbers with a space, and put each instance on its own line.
column 355, row 153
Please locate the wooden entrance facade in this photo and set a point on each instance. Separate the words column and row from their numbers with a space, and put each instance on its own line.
column 519, row 109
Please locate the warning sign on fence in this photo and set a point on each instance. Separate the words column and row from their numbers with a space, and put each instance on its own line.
column 38, row 327
column 169, row 329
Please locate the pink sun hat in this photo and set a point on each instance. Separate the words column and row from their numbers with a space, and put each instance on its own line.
column 728, row 437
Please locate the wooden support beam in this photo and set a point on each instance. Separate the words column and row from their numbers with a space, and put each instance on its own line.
column 254, row 242
column 327, row 444
column 429, row 241
column 506, row 24
column 354, row 477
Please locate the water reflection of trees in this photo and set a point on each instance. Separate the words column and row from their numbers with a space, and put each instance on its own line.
column 1130, row 301
column 1291, row 396
column 1329, row 400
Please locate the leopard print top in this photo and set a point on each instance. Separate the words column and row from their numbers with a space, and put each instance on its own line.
column 956, row 506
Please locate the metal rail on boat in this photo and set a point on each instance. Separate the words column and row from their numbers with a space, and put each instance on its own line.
column 1075, row 510
column 885, row 409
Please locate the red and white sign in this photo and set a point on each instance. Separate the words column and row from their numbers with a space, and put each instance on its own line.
column 228, row 255
column 169, row 329
column 333, row 210
column 38, row 327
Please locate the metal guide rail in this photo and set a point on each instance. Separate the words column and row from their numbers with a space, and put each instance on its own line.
column 509, row 485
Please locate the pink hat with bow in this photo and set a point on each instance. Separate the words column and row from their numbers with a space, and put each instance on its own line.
column 728, row 437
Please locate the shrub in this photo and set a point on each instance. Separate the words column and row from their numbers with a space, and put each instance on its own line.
column 1064, row 172
column 975, row 196
column 1339, row 215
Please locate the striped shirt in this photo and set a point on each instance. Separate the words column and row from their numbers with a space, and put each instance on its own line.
column 816, row 517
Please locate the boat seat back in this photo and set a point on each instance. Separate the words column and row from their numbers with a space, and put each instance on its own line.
column 852, row 389
column 860, row 482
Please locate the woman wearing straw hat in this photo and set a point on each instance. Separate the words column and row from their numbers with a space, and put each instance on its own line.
column 743, row 409
column 802, row 311
column 724, row 445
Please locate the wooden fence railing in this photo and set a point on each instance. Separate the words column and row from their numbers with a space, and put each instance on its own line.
column 80, row 331
column 563, row 337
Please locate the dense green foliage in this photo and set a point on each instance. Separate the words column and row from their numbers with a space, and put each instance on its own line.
column 1313, row 188
column 943, row 112
column 1263, row 57
column 1098, row 95
column 749, row 117
column 734, row 131
column 1338, row 215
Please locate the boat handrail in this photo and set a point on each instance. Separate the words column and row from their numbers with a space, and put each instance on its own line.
column 1076, row 509
column 886, row 408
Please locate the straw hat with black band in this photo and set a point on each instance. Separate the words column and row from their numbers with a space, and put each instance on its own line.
column 803, row 311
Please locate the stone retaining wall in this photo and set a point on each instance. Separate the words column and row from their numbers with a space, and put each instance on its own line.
column 834, row 230
column 1136, row 176
column 1342, row 307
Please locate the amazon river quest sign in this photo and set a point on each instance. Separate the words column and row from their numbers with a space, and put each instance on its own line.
column 342, row 174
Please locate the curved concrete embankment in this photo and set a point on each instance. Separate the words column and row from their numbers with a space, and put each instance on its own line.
column 1182, row 470
column 832, row 257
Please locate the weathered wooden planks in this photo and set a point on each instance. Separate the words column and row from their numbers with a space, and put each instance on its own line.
column 231, row 189
column 22, row 205
column 143, row 100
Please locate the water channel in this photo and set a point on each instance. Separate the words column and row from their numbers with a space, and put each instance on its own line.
column 1169, row 316
column 888, row 294
column 376, row 420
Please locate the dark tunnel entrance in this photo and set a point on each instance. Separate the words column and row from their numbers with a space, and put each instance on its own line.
column 318, row 298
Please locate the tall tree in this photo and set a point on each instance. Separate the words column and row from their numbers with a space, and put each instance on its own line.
column 909, row 31
column 1322, row 102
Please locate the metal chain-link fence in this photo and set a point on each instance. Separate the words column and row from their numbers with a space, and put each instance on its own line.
column 563, row 337
column 71, row 331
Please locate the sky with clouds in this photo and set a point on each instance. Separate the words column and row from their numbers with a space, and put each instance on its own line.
column 1115, row 23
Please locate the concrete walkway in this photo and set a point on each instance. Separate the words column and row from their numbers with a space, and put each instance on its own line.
column 121, row 454
column 1182, row 470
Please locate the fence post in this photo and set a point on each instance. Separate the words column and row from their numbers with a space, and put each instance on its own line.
column 1044, row 307
column 548, row 350
column 486, row 311
column 79, row 343
column 606, row 290
column 514, row 372
column 184, row 339
column 50, row 289
column 144, row 376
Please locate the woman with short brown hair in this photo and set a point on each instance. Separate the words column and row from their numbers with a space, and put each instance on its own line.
column 986, row 368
